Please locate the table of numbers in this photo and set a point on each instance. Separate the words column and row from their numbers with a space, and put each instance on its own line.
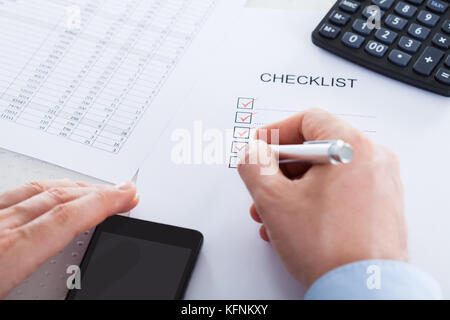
column 88, row 70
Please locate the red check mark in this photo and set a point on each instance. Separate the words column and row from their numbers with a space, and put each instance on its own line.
column 243, row 119
column 241, row 148
column 243, row 133
column 245, row 105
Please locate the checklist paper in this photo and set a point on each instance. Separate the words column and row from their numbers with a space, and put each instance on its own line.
column 90, row 84
column 272, row 71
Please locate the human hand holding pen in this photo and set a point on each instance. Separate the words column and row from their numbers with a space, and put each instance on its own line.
column 319, row 217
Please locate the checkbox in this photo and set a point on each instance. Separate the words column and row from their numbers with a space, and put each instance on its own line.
column 241, row 132
column 243, row 117
column 245, row 103
column 238, row 146
column 233, row 162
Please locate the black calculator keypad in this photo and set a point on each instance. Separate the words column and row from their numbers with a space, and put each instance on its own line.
column 428, row 61
column 419, row 32
column 446, row 26
column 437, row 6
column 384, row 4
column 411, row 45
column 339, row 18
column 399, row 58
column 396, row 23
column 349, row 5
column 353, row 40
column 405, row 9
column 376, row 49
column 367, row 12
column 329, row 31
column 362, row 27
column 442, row 41
column 385, row 35
column 443, row 75
column 427, row 18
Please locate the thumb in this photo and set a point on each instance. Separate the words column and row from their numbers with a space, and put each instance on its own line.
column 260, row 172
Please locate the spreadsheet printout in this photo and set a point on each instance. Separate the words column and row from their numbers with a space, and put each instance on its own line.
column 79, row 80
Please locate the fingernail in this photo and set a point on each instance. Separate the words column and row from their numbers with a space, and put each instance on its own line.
column 124, row 186
column 137, row 198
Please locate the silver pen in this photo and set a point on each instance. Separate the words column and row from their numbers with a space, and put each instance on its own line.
column 315, row 152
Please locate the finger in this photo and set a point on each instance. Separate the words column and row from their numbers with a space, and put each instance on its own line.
column 263, row 178
column 30, row 189
column 310, row 125
column 263, row 234
column 254, row 214
column 259, row 167
column 43, row 237
column 33, row 207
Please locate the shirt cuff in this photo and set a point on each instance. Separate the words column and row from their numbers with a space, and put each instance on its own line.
column 375, row 279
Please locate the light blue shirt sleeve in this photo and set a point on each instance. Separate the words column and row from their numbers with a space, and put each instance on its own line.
column 375, row 279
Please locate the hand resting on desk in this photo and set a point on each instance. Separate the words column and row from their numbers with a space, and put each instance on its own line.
column 39, row 219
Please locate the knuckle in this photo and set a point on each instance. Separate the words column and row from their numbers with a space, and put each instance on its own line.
column 313, row 112
column 391, row 158
column 102, row 196
column 81, row 184
column 62, row 213
column 21, row 234
column 14, row 210
column 361, row 139
column 59, row 194
column 362, row 143
column 35, row 187
column 9, row 238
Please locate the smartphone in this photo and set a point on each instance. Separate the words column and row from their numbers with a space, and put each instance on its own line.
column 135, row 259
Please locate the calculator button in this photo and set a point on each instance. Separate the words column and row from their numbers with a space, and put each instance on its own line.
column 406, row 10
column 447, row 61
column 427, row 18
column 386, row 36
column 409, row 44
column 383, row 4
column 446, row 26
column 339, row 18
column 417, row 2
column 395, row 22
column 437, row 6
column 418, row 31
column 443, row 75
column 441, row 41
column 376, row 49
column 429, row 59
column 330, row 32
column 349, row 6
column 361, row 26
column 399, row 58
column 368, row 12
column 352, row 40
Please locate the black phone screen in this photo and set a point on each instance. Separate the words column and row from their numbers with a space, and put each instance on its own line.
column 120, row 266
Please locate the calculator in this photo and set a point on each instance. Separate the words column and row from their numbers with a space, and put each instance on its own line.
column 410, row 42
